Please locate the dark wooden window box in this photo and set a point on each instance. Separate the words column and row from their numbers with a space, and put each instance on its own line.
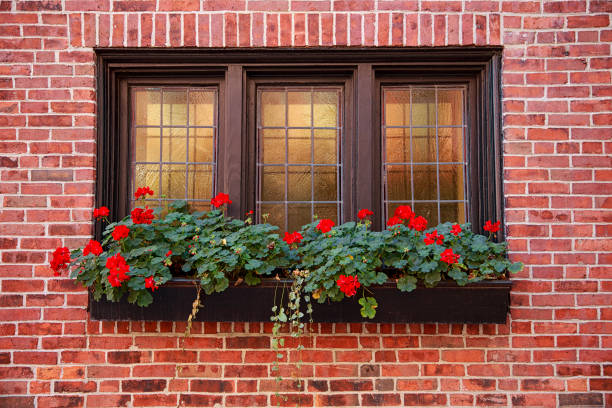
column 482, row 302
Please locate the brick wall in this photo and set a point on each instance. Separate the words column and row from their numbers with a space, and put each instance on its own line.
column 557, row 100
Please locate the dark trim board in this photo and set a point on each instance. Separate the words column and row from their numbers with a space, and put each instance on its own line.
column 482, row 302
column 237, row 71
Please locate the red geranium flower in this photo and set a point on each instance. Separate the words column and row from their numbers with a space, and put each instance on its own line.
column 142, row 191
column 120, row 232
column 348, row 284
column 118, row 270
column 101, row 212
column 220, row 199
column 170, row 253
column 434, row 238
column 418, row 223
column 150, row 283
column 60, row 259
column 449, row 257
column 404, row 212
column 142, row 216
column 325, row 225
column 293, row 238
column 92, row 247
column 395, row 220
column 364, row 213
column 456, row 230
column 491, row 227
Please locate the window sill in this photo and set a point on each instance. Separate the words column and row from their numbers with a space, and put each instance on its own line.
column 481, row 302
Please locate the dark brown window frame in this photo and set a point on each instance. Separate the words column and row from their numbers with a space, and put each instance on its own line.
column 362, row 71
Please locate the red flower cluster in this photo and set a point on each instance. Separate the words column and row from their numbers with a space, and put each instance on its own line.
column 364, row 213
column 449, row 257
column 220, row 199
column 60, row 260
column 325, row 225
column 150, row 283
column 404, row 212
column 394, row 221
column 142, row 191
column 101, row 212
column 491, row 227
column 170, row 253
column 293, row 238
column 92, row 247
column 120, row 232
column 118, row 270
column 418, row 223
column 434, row 238
column 456, row 230
column 348, row 284
column 142, row 216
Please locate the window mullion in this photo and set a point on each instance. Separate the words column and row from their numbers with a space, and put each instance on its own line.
column 231, row 143
column 367, row 163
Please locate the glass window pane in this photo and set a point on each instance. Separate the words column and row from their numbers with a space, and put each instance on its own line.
column 148, row 107
column 147, row 175
column 452, row 212
column 201, row 108
column 424, row 145
column 325, row 146
column 451, row 182
column 272, row 146
column 450, row 144
column 174, row 144
column 272, row 111
column 201, row 145
column 173, row 179
column 397, row 108
column 174, row 109
column 299, row 183
column 329, row 211
column 424, row 107
column 399, row 182
column 325, row 183
column 429, row 211
column 273, row 183
column 147, row 144
column 397, row 147
column 199, row 181
column 425, row 182
column 298, row 215
column 299, row 109
column 325, row 109
column 450, row 107
column 298, row 144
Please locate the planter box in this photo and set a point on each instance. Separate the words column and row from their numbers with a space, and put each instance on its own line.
column 482, row 302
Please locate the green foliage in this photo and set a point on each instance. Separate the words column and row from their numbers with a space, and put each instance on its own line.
column 214, row 250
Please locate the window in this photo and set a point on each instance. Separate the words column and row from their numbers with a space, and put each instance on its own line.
column 294, row 134
column 172, row 143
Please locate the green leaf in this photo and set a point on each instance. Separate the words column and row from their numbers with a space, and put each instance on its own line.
column 458, row 275
column 368, row 307
column 251, row 279
column 221, row 285
column 253, row 264
column 144, row 298
column 516, row 267
column 407, row 283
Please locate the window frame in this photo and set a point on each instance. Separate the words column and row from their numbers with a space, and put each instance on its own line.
column 363, row 69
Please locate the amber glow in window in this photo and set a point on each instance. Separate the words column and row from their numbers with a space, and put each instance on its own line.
column 423, row 151
column 174, row 133
column 298, row 160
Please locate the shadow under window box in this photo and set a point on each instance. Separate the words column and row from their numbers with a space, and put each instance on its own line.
column 482, row 302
